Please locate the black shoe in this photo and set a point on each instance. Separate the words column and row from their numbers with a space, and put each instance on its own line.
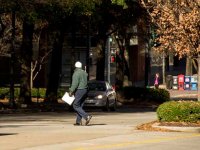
column 77, row 124
column 88, row 120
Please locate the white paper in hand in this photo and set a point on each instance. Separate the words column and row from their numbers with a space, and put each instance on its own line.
column 69, row 100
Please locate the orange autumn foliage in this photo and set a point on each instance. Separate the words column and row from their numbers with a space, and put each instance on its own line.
column 177, row 25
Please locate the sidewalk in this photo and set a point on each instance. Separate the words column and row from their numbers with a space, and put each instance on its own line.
column 181, row 94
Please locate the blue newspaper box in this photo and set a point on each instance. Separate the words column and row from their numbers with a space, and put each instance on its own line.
column 175, row 83
column 194, row 81
column 187, row 82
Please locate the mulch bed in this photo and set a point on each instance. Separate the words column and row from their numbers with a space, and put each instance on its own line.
column 149, row 126
column 180, row 124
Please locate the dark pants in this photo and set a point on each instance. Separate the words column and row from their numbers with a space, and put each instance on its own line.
column 80, row 96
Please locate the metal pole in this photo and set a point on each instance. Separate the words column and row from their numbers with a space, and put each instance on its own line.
column 106, row 62
column 88, row 50
column 198, row 79
column 147, row 65
column 163, row 68
column 108, row 50
column 12, row 90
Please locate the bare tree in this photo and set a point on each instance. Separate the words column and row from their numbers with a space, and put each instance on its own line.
column 38, row 64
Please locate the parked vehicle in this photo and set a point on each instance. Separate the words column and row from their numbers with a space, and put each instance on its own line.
column 101, row 95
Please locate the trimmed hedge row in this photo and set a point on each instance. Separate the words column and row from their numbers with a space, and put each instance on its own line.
column 157, row 95
column 5, row 92
column 178, row 111
column 36, row 92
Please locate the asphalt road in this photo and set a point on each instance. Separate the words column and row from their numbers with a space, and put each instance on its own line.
column 107, row 131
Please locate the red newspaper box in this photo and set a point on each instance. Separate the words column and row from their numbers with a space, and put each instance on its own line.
column 181, row 82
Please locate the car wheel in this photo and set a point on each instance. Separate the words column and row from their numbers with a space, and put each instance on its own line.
column 106, row 107
column 114, row 107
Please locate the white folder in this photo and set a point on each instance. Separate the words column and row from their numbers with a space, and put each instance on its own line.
column 66, row 98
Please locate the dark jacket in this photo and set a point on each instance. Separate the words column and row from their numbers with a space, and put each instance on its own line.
column 79, row 80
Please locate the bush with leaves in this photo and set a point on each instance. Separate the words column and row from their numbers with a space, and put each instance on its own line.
column 38, row 92
column 5, row 92
column 179, row 111
column 35, row 92
column 156, row 95
column 159, row 95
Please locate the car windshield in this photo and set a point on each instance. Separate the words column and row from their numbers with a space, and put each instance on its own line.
column 97, row 86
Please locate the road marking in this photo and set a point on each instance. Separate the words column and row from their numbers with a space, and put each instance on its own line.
column 126, row 144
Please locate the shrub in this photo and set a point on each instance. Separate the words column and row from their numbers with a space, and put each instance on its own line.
column 61, row 92
column 178, row 111
column 157, row 95
column 38, row 92
column 5, row 92
column 132, row 92
column 35, row 92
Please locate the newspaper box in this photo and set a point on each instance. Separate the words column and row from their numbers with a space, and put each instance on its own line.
column 187, row 82
column 175, row 83
column 193, row 82
column 181, row 82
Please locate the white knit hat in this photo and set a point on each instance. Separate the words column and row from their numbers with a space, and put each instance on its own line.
column 78, row 64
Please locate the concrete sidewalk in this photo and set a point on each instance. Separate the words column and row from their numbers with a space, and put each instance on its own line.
column 181, row 94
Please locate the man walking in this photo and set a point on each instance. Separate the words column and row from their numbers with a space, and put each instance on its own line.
column 79, row 89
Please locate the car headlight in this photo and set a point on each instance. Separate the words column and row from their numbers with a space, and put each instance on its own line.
column 100, row 96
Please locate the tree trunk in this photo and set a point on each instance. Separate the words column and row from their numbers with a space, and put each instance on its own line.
column 26, row 57
column 122, row 68
column 55, row 68
column 100, row 68
column 119, row 78
column 101, row 60
column 188, row 68
column 198, row 79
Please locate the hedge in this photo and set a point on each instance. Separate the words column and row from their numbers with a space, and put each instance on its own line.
column 179, row 111
column 36, row 92
column 157, row 95
column 5, row 92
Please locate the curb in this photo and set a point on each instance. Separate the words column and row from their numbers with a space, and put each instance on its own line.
column 175, row 128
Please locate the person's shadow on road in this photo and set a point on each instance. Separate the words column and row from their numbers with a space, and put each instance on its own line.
column 96, row 124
